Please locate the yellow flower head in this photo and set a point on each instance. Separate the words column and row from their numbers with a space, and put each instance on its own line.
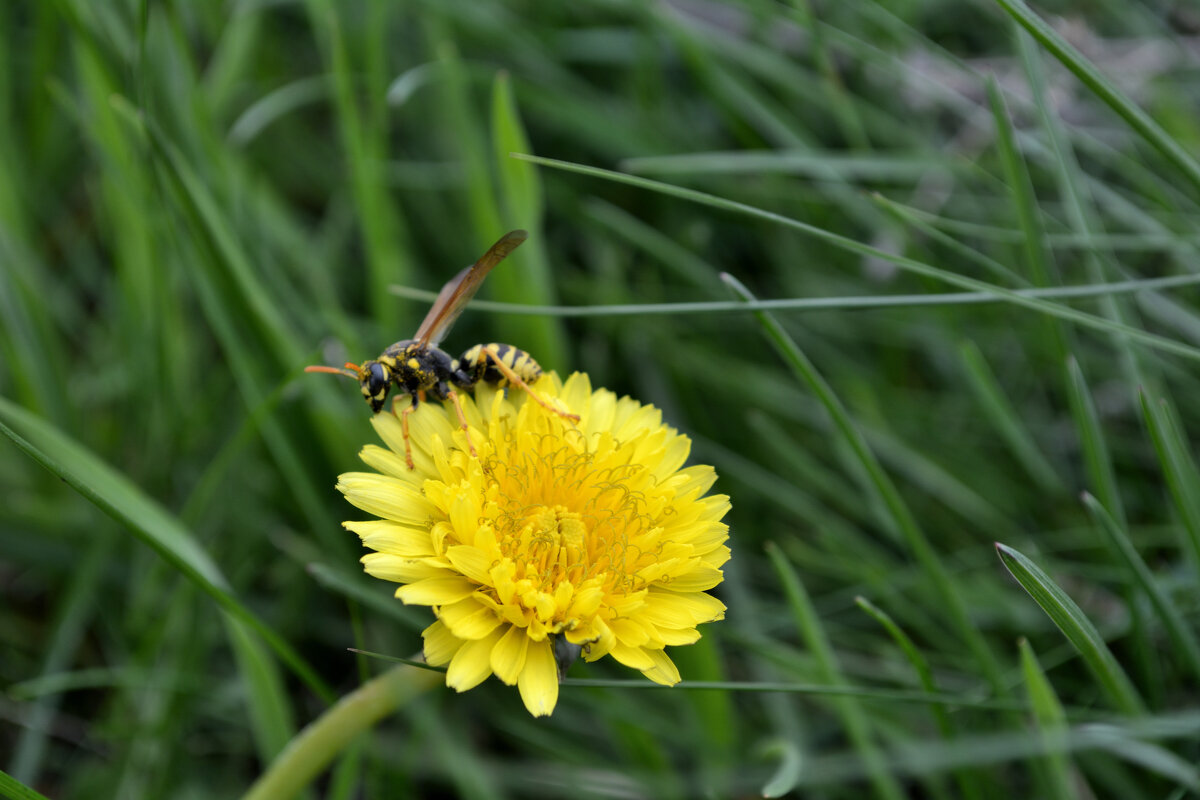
column 561, row 535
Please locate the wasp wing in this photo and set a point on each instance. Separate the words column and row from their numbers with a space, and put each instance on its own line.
column 455, row 295
column 440, row 317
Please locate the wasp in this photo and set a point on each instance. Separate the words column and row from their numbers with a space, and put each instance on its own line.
column 419, row 368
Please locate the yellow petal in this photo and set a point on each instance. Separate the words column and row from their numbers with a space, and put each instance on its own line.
column 502, row 579
column 575, row 393
column 392, row 537
column 469, row 619
column 664, row 572
column 508, row 656
column 386, row 461
column 387, row 427
column 629, row 605
column 715, row 506
column 385, row 423
column 698, row 480
column 629, row 633
column 675, row 637
column 541, row 603
column 486, row 542
column 626, row 407
column 464, row 514
column 674, row 453
column 716, row 557
column 639, row 420
column 587, row 601
column 603, row 644
column 440, row 644
column 439, row 535
column 634, row 657
column 436, row 591
column 538, row 682
column 442, row 466
column 664, row 670
column 388, row 567
column 671, row 610
column 698, row 579
column 427, row 422
column 563, row 594
column 387, row 497
column 472, row 562
column 600, row 413
column 471, row 665
column 439, row 493
column 470, row 410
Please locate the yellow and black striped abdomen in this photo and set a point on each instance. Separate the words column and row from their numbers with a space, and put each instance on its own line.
column 479, row 364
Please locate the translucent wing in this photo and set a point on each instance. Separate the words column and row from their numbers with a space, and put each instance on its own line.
column 455, row 295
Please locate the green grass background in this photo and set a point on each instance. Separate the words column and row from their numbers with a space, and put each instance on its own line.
column 197, row 200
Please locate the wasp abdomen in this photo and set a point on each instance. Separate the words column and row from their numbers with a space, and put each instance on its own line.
column 479, row 364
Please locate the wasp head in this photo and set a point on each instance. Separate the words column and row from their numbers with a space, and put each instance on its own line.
column 374, row 378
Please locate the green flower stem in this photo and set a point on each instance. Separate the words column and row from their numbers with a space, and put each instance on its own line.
column 330, row 734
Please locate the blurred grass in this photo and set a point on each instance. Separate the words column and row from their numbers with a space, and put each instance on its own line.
column 196, row 201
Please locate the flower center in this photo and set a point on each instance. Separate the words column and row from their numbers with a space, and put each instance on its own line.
column 552, row 542
column 566, row 516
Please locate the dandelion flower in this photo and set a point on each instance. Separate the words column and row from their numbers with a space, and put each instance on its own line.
column 560, row 538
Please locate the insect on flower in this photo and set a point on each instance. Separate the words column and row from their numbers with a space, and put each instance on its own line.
column 419, row 368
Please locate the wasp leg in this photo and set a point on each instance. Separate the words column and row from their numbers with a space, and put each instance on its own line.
column 452, row 396
column 408, row 459
column 515, row 380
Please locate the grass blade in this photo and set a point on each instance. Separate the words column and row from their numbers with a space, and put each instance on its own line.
column 1069, row 618
column 1152, row 757
column 908, row 264
column 969, row 784
column 1038, row 258
column 77, row 609
column 787, row 772
column 202, row 209
column 275, row 105
column 1104, row 88
column 1091, row 438
column 1051, row 724
column 1182, row 636
column 520, row 190
column 806, row 303
column 1024, row 201
column 116, row 496
column 1178, row 468
column 13, row 789
column 384, row 232
column 1075, row 197
column 880, row 485
column 817, row 643
column 1005, row 419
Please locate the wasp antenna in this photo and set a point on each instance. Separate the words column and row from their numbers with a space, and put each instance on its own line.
column 334, row 371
